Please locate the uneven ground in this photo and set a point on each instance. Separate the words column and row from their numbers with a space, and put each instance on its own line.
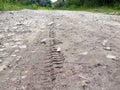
column 59, row 50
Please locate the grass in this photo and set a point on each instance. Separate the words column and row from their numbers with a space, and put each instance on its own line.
column 107, row 10
column 12, row 6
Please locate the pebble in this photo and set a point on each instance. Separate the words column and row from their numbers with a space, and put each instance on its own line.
column 58, row 49
column 14, row 46
column 23, row 87
column 82, row 76
column 1, row 61
column 11, row 13
column 86, row 82
column 17, row 39
column 2, row 68
column 104, row 42
column 19, row 24
column 44, row 41
column 51, row 23
column 18, row 58
column 10, row 34
column 84, row 53
column 23, row 77
column 2, row 36
column 14, row 27
column 22, row 46
column 107, row 48
column 16, row 51
column 13, row 55
column 2, row 50
column 18, row 43
column 111, row 57
column 33, row 51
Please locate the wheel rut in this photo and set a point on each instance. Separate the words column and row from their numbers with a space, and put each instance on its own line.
column 53, row 62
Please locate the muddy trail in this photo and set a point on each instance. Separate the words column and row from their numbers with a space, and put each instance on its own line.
column 59, row 50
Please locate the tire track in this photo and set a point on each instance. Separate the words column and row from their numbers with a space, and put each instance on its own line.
column 53, row 63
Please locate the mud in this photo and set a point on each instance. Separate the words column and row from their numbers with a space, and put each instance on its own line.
column 59, row 50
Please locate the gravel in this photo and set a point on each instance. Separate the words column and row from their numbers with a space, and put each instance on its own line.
column 89, row 42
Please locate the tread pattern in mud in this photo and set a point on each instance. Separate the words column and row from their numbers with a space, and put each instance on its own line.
column 53, row 63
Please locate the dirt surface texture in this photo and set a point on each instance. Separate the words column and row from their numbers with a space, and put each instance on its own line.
column 59, row 50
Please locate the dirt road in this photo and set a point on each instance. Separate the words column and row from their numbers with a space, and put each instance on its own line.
column 59, row 50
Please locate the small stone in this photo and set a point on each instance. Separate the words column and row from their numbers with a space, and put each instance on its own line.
column 97, row 65
column 23, row 87
column 2, row 68
column 104, row 42
column 18, row 43
column 16, row 51
column 111, row 57
column 2, row 50
column 12, row 13
column 51, row 23
column 17, row 39
column 14, row 27
column 14, row 46
column 84, row 86
column 33, row 51
column 23, row 77
column 84, row 53
column 2, row 36
column 1, row 61
column 22, row 46
column 13, row 55
column 86, row 82
column 58, row 49
column 19, row 24
column 18, row 58
column 44, row 41
column 10, row 34
column 107, row 48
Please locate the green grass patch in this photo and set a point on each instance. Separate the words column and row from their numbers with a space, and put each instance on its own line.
column 16, row 6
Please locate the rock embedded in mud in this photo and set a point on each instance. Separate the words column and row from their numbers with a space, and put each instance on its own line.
column 111, row 57
column 58, row 49
column 84, row 53
column 1, row 60
column 98, row 65
column 23, row 87
column 107, row 48
column 14, row 27
column 1, row 50
column 14, row 46
column 51, row 23
column 22, row 46
column 17, row 51
column 18, row 58
column 104, row 43
column 44, row 41
column 23, row 77
column 11, row 34
column 11, row 13
column 1, row 36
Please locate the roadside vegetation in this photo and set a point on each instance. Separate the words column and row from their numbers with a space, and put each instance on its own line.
column 106, row 6
column 25, row 4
